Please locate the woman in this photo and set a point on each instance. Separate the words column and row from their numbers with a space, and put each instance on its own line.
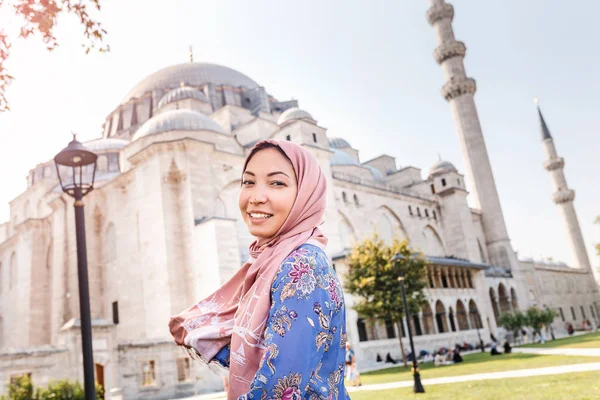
column 279, row 324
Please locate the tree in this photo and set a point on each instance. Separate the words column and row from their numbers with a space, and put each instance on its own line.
column 513, row 321
column 373, row 278
column 39, row 17
column 537, row 318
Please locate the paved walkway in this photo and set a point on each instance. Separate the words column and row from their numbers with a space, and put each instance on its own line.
column 563, row 369
column 521, row 373
column 564, row 351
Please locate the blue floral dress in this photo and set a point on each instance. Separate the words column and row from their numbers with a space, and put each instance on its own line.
column 305, row 334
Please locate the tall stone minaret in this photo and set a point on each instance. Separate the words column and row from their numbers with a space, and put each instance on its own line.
column 458, row 91
column 563, row 196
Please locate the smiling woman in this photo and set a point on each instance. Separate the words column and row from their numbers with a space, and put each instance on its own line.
column 268, row 191
column 279, row 324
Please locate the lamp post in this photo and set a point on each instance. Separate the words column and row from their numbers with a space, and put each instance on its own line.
column 76, row 170
column 477, row 319
column 418, row 387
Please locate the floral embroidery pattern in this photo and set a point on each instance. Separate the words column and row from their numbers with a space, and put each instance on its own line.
column 305, row 334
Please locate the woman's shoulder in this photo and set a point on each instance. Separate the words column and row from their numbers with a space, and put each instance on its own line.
column 310, row 254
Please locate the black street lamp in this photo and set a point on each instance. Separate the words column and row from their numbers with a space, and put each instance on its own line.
column 76, row 170
column 477, row 319
column 418, row 388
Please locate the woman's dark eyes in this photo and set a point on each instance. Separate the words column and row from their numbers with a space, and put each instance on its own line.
column 278, row 183
column 247, row 182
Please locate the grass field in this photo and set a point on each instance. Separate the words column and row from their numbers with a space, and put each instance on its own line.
column 575, row 386
column 591, row 340
column 474, row 364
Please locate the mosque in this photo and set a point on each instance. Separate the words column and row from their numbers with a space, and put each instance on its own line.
column 163, row 231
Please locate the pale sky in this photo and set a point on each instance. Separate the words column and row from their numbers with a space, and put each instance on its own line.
column 364, row 70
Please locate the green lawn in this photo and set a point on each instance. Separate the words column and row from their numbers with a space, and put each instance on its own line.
column 474, row 364
column 575, row 386
column 590, row 340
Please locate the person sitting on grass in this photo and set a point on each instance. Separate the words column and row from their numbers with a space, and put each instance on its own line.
column 507, row 348
column 494, row 351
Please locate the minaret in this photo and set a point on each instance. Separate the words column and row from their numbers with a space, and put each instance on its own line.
column 459, row 90
column 563, row 196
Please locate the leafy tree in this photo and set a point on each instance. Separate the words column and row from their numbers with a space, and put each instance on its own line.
column 537, row 318
column 513, row 321
column 40, row 17
column 373, row 279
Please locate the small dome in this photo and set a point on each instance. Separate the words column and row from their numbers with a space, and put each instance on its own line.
column 442, row 166
column 339, row 143
column 181, row 93
column 377, row 174
column 293, row 114
column 105, row 144
column 340, row 157
column 177, row 120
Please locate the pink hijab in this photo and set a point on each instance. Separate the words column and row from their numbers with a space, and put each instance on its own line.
column 237, row 312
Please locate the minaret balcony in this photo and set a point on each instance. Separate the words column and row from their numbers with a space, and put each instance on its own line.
column 438, row 12
column 457, row 86
column 554, row 163
column 449, row 50
column 563, row 196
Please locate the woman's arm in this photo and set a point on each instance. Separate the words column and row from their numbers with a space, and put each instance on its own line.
column 298, row 332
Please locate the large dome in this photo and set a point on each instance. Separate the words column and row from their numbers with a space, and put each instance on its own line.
column 442, row 166
column 177, row 120
column 292, row 114
column 191, row 74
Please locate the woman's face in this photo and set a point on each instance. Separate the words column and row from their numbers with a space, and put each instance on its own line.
column 268, row 192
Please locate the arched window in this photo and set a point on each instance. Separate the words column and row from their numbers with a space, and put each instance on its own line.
column 433, row 245
column 428, row 328
column 443, row 181
column 474, row 315
column 573, row 314
column 592, row 312
column 356, row 200
column 494, row 304
column 427, row 213
column 111, row 243
column 410, row 210
column 440, row 317
column 418, row 211
column 562, row 314
column 12, row 280
column 416, row 325
column 451, row 318
column 389, row 329
column 344, row 197
column 503, row 299
column 362, row 330
column 582, row 313
column 434, row 215
column 513, row 299
column 444, row 279
column 461, row 316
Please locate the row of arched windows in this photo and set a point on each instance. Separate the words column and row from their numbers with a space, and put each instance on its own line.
column 354, row 197
column 431, row 321
column 444, row 277
column 574, row 314
column 504, row 302
column 424, row 214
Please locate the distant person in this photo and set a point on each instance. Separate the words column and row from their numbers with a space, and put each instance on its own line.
column 570, row 329
column 494, row 351
column 507, row 348
column 351, row 368
column 389, row 359
column 456, row 357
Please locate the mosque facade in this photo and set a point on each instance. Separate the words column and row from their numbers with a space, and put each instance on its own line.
column 163, row 231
